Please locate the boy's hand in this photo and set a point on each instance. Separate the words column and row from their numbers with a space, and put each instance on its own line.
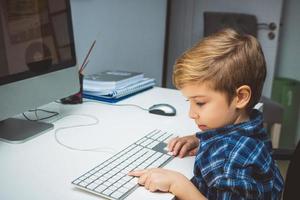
column 165, row 180
column 157, row 179
column 183, row 146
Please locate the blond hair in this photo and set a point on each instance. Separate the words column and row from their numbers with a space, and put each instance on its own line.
column 226, row 60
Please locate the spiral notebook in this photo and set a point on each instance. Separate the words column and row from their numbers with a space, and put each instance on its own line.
column 120, row 93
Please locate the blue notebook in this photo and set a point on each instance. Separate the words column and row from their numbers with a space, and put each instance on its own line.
column 121, row 93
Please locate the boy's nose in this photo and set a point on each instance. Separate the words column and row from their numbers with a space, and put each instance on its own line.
column 192, row 114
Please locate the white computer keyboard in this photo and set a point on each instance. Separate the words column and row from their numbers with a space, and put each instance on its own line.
column 110, row 179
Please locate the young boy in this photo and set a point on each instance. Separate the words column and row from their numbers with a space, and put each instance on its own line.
column 222, row 77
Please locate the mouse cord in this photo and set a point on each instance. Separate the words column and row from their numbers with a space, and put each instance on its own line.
column 112, row 104
column 95, row 122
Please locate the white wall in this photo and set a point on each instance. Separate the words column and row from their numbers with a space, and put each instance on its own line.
column 130, row 34
column 289, row 46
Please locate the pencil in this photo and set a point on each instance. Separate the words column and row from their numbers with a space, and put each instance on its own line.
column 86, row 57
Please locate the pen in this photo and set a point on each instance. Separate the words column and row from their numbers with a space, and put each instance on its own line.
column 84, row 64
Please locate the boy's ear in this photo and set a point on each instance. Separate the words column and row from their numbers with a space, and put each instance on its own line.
column 243, row 95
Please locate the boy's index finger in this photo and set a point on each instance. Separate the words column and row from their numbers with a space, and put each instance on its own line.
column 137, row 173
column 172, row 143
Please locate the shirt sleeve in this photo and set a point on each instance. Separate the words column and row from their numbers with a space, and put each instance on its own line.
column 245, row 174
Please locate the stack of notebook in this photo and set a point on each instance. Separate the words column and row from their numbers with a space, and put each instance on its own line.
column 113, row 86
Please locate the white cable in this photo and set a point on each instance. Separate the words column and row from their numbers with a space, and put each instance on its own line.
column 112, row 104
column 96, row 121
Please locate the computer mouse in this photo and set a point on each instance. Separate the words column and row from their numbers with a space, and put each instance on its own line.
column 162, row 109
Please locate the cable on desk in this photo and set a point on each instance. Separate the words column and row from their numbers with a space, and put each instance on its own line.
column 112, row 104
column 53, row 114
column 96, row 121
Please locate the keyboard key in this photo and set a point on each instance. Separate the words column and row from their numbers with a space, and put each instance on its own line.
column 100, row 188
column 92, row 186
column 83, row 184
column 116, row 194
column 107, row 192
column 129, row 185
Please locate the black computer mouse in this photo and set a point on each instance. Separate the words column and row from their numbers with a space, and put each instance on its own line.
column 162, row 109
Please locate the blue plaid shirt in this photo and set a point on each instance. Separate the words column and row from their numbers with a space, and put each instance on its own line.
column 235, row 162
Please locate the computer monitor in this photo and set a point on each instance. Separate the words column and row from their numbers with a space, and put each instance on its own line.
column 37, row 62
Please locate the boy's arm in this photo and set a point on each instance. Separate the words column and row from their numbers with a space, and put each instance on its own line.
column 184, row 189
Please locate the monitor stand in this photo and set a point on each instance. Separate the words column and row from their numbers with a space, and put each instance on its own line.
column 13, row 130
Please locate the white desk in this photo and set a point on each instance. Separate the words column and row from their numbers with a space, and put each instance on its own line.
column 43, row 169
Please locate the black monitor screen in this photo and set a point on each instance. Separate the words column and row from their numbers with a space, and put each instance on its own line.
column 36, row 37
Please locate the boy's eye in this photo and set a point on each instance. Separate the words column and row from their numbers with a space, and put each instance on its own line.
column 200, row 104
column 197, row 103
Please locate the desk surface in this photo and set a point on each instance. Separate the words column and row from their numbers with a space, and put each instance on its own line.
column 43, row 169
